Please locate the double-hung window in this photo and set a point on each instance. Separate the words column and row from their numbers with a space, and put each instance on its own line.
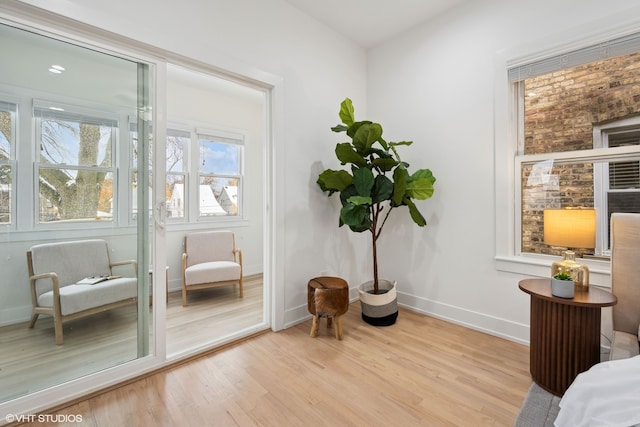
column 177, row 183
column 75, row 172
column 578, row 138
column 219, row 174
column 7, row 160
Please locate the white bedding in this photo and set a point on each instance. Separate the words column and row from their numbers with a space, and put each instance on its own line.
column 608, row 394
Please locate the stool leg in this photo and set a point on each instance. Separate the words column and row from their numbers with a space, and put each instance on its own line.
column 314, row 327
column 339, row 327
column 329, row 321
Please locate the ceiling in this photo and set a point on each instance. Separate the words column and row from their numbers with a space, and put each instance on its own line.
column 370, row 22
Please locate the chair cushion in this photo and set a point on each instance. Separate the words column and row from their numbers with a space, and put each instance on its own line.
column 76, row 298
column 211, row 272
column 623, row 346
column 72, row 261
column 205, row 246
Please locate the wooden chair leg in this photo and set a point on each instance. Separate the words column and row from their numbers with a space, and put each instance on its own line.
column 34, row 317
column 339, row 327
column 57, row 326
column 314, row 327
column 184, row 297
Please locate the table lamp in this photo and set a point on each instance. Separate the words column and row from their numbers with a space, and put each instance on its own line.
column 571, row 228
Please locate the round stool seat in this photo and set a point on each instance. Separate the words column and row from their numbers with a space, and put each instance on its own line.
column 327, row 297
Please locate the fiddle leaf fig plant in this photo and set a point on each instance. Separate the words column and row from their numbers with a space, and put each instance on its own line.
column 376, row 181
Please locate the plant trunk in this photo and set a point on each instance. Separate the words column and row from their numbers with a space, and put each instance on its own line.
column 375, row 264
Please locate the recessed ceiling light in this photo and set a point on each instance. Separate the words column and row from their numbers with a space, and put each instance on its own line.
column 56, row 108
column 56, row 69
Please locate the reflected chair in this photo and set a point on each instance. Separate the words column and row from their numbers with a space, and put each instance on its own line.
column 625, row 284
column 57, row 275
column 210, row 259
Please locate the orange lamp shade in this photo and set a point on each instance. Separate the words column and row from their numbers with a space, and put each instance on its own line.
column 570, row 228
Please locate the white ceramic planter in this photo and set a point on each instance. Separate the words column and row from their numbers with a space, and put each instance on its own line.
column 379, row 309
column 562, row 288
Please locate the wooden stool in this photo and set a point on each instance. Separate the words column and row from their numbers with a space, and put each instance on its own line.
column 327, row 297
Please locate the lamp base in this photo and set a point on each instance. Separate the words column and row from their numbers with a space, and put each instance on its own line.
column 569, row 265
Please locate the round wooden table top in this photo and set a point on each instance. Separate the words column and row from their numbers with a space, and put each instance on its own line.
column 594, row 297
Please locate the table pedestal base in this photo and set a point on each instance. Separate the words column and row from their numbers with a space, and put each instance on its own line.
column 565, row 340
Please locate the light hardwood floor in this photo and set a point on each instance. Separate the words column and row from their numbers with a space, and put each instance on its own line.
column 419, row 372
column 30, row 360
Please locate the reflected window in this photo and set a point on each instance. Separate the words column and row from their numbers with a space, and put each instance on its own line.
column 75, row 165
column 7, row 150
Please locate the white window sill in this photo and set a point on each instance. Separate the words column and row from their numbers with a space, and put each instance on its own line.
column 540, row 266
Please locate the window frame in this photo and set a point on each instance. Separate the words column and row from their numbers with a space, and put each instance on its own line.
column 174, row 130
column 224, row 137
column 601, row 177
column 75, row 113
column 6, row 102
column 507, row 141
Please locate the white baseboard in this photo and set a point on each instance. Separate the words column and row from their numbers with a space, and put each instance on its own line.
column 512, row 331
column 491, row 325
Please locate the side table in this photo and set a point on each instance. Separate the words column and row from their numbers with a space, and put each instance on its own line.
column 565, row 333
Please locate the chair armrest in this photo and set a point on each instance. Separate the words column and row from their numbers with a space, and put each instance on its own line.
column 132, row 262
column 55, row 286
column 237, row 253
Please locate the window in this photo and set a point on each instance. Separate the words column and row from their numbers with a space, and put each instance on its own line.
column 74, row 164
column 177, row 189
column 575, row 146
column 219, row 175
column 7, row 149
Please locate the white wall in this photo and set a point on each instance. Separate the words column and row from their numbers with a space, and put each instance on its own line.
column 435, row 85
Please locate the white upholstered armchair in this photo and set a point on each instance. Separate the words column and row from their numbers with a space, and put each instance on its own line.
column 210, row 259
column 625, row 284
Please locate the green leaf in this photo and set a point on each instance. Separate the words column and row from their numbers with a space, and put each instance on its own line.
column 400, row 185
column 346, row 193
column 395, row 144
column 359, row 200
column 382, row 189
column 423, row 173
column 420, row 184
column 346, row 154
column 355, row 216
column 416, row 216
column 339, row 128
column 332, row 181
column 386, row 164
column 354, row 127
column 363, row 180
column 346, row 112
column 365, row 136
column 420, row 189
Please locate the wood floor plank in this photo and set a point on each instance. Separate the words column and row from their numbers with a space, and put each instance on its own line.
column 419, row 372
